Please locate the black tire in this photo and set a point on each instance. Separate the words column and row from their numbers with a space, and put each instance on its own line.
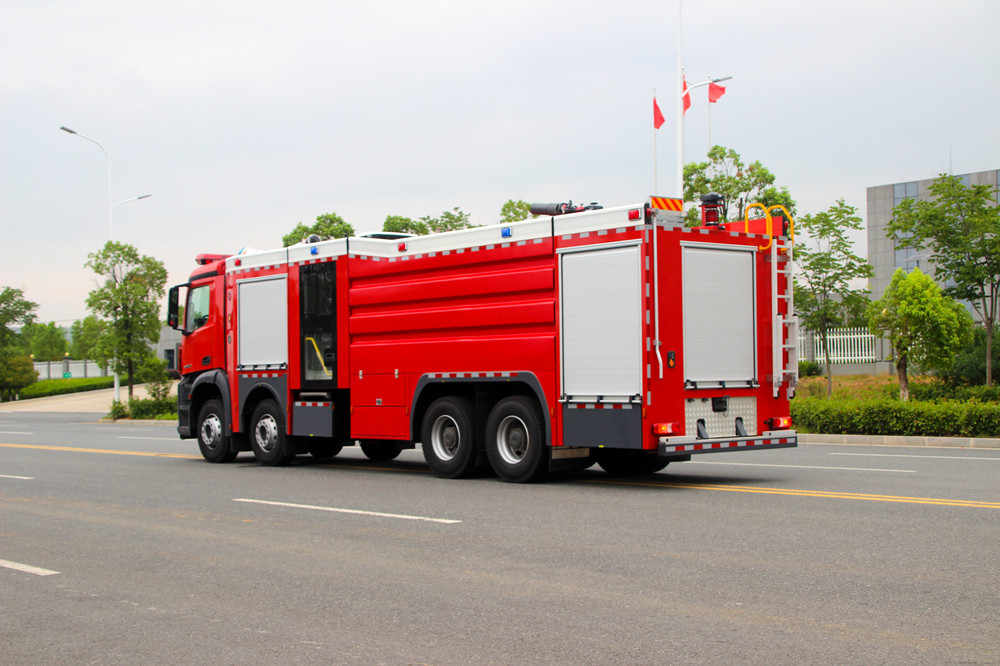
column 448, row 437
column 267, row 435
column 324, row 450
column 629, row 463
column 381, row 450
column 515, row 442
column 212, row 442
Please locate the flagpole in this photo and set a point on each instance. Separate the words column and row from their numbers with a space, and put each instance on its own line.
column 680, row 109
column 656, row 171
column 709, row 121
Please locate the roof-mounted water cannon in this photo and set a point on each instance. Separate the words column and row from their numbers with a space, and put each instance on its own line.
column 713, row 207
column 562, row 208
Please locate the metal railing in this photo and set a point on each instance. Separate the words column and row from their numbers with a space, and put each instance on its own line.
column 847, row 345
column 65, row 369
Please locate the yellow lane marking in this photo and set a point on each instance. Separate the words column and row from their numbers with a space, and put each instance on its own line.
column 79, row 450
column 693, row 486
column 811, row 493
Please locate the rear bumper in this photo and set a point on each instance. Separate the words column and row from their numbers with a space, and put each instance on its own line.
column 778, row 439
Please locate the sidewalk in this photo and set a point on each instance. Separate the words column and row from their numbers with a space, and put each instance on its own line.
column 95, row 402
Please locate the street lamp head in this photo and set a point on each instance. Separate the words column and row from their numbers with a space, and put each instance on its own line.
column 66, row 129
column 724, row 78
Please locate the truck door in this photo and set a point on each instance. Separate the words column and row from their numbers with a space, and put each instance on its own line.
column 203, row 348
column 602, row 323
column 601, row 345
column 318, row 311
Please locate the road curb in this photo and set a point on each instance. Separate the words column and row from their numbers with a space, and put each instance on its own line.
column 893, row 440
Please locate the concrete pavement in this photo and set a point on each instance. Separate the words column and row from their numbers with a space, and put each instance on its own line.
column 87, row 401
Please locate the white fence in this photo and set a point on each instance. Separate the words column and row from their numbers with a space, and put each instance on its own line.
column 64, row 369
column 847, row 345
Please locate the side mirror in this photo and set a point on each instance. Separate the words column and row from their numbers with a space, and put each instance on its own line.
column 173, row 309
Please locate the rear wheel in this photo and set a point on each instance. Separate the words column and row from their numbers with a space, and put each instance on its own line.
column 515, row 442
column 267, row 435
column 214, row 445
column 629, row 463
column 381, row 450
column 448, row 437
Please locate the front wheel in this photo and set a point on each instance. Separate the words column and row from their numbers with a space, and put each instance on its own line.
column 267, row 435
column 515, row 442
column 213, row 444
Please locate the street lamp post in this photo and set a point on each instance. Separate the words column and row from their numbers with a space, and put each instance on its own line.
column 680, row 122
column 141, row 196
column 111, row 208
column 111, row 223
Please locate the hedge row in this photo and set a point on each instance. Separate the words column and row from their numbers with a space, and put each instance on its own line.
column 47, row 387
column 891, row 417
column 143, row 408
column 938, row 391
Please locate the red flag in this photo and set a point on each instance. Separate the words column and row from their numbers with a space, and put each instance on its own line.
column 715, row 92
column 658, row 118
column 685, row 95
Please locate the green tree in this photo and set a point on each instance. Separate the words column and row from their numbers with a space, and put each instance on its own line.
column 515, row 211
column 14, row 309
column 129, row 297
column 740, row 184
column 326, row 227
column 960, row 228
column 827, row 265
column 46, row 342
column 924, row 325
column 85, row 334
column 404, row 225
column 449, row 220
column 16, row 372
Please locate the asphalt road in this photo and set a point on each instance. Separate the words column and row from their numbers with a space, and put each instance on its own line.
column 120, row 545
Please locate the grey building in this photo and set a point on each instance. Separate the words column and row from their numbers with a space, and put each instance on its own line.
column 883, row 255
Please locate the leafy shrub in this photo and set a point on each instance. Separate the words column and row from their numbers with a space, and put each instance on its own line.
column 152, row 408
column 47, row 387
column 970, row 363
column 892, row 417
column 118, row 410
column 939, row 392
column 810, row 369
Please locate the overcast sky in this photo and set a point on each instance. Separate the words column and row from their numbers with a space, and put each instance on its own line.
column 245, row 118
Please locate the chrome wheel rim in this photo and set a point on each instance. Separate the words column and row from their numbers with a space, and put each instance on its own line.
column 266, row 433
column 211, row 432
column 446, row 438
column 512, row 440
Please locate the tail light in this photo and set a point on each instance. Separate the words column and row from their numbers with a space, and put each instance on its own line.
column 780, row 423
column 666, row 428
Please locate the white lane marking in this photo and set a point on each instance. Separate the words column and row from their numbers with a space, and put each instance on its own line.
column 20, row 478
column 903, row 455
column 13, row 432
column 161, row 439
column 27, row 568
column 839, row 469
column 354, row 511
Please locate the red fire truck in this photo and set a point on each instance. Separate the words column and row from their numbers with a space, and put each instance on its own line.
column 587, row 334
